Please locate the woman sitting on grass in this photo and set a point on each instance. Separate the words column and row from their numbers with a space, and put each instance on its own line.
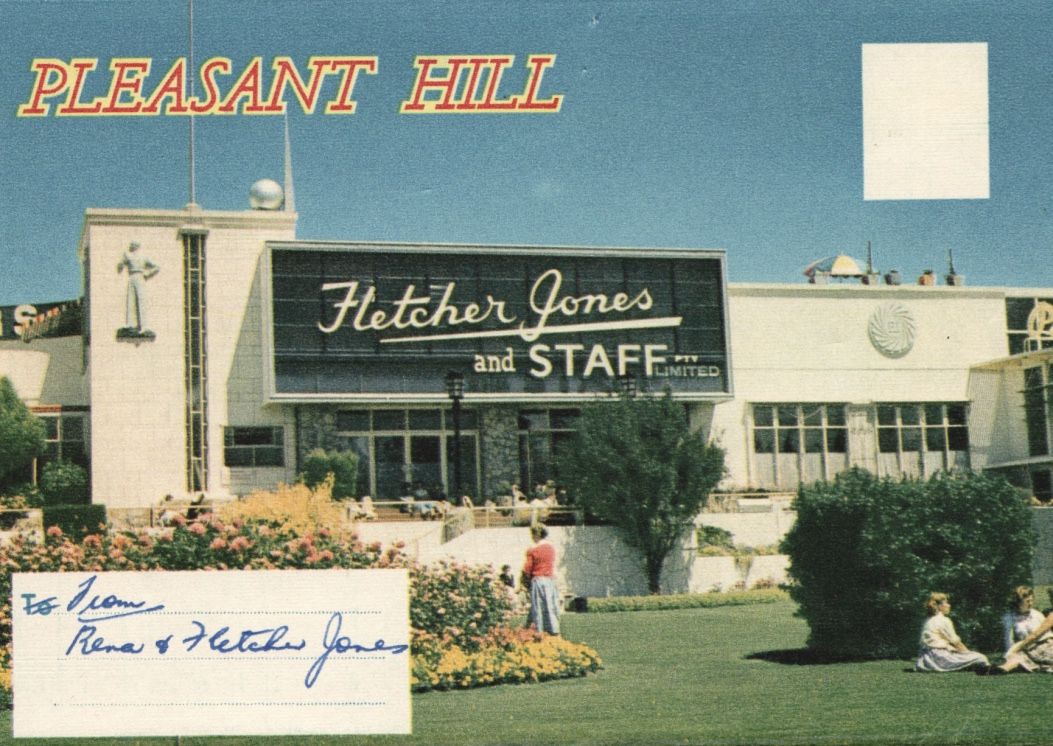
column 1022, row 619
column 1032, row 653
column 941, row 648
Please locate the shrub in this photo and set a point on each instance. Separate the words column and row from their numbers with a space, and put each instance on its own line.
column 460, row 604
column 343, row 465
column 20, row 496
column 64, row 483
column 768, row 595
column 75, row 520
column 866, row 552
column 296, row 507
column 714, row 536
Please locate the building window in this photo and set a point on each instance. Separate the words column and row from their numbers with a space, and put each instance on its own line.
column 920, row 439
column 1042, row 484
column 1038, row 409
column 1028, row 321
column 405, row 451
column 542, row 432
column 794, row 443
column 65, row 439
column 253, row 446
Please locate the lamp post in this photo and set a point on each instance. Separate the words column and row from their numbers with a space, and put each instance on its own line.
column 455, row 390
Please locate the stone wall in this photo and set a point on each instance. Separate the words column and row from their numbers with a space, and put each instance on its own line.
column 499, row 447
column 316, row 429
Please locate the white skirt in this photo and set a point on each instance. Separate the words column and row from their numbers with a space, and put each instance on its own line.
column 939, row 659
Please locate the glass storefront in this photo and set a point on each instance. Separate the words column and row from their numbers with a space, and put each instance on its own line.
column 403, row 451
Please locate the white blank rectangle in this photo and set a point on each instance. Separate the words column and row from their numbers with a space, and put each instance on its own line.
column 925, row 121
column 211, row 653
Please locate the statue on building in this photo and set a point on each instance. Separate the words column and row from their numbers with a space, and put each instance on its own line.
column 140, row 269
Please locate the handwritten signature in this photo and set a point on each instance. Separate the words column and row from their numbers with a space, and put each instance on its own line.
column 334, row 642
column 91, row 609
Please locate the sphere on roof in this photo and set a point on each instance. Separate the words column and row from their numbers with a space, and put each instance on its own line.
column 266, row 194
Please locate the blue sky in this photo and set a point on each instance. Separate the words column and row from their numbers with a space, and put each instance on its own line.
column 731, row 125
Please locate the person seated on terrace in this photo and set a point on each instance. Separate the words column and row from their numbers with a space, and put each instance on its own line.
column 197, row 508
column 169, row 512
column 361, row 509
column 540, row 509
column 1034, row 650
column 406, row 498
column 941, row 648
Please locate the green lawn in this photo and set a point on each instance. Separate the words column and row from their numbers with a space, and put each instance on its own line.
column 686, row 676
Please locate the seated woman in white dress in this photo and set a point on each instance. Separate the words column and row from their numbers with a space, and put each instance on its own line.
column 1030, row 641
column 941, row 648
column 1022, row 618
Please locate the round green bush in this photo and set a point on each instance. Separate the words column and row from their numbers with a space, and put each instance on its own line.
column 866, row 552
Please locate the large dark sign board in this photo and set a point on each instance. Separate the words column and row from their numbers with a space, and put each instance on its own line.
column 352, row 319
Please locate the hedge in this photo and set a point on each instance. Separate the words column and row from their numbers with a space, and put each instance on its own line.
column 866, row 552
column 75, row 520
column 686, row 600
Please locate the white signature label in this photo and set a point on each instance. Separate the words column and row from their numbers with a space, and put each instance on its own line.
column 211, row 653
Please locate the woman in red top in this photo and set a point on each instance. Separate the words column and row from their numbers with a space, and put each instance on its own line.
column 539, row 571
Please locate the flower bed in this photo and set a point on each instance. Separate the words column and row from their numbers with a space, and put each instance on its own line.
column 505, row 656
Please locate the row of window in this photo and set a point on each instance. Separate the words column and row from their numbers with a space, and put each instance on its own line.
column 794, row 443
column 401, row 450
column 822, row 428
column 404, row 449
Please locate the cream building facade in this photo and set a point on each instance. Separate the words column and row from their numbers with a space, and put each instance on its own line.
column 236, row 377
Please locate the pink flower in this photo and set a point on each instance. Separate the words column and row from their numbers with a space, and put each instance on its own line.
column 91, row 540
column 218, row 543
column 54, row 531
column 196, row 528
column 240, row 543
column 179, row 519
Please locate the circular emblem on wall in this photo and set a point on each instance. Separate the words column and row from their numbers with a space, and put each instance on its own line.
column 891, row 330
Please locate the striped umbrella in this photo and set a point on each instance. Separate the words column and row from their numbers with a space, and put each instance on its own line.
column 841, row 265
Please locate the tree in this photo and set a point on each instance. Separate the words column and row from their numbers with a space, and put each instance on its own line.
column 21, row 433
column 635, row 463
